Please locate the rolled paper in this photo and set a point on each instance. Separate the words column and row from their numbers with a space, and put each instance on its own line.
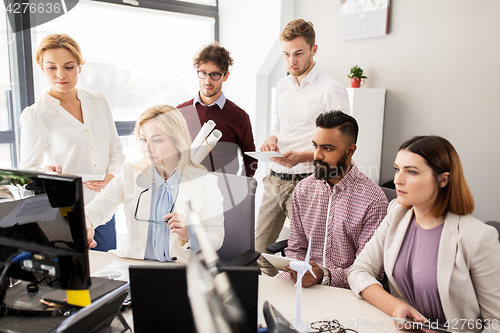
column 214, row 137
column 202, row 151
column 207, row 145
column 202, row 135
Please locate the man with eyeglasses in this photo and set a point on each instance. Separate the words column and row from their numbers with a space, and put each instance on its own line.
column 212, row 65
column 300, row 98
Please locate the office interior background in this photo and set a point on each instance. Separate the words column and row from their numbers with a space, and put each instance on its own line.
column 439, row 64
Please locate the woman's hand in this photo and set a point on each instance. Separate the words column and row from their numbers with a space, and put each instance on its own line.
column 403, row 310
column 99, row 185
column 177, row 225
column 52, row 169
column 90, row 237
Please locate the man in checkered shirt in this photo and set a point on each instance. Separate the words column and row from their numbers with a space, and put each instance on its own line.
column 337, row 207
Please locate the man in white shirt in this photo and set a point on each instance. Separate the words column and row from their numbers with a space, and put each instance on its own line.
column 300, row 98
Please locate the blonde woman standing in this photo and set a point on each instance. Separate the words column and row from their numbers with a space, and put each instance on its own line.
column 71, row 130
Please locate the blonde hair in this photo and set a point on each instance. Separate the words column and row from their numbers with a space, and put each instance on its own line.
column 59, row 41
column 299, row 28
column 170, row 121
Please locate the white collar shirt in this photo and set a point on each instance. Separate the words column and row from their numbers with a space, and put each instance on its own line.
column 221, row 101
column 298, row 106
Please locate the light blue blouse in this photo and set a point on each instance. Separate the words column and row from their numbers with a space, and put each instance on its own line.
column 163, row 196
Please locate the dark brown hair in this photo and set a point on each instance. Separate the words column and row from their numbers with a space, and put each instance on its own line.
column 216, row 54
column 298, row 28
column 441, row 156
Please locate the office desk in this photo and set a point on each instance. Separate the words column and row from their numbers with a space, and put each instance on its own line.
column 99, row 260
column 318, row 302
column 323, row 303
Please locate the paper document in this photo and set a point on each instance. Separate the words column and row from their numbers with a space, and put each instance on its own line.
column 264, row 156
column 31, row 209
column 89, row 177
column 115, row 271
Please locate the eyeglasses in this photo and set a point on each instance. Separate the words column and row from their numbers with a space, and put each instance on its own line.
column 214, row 76
column 332, row 326
column 148, row 220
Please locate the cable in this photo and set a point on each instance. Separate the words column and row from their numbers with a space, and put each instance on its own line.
column 13, row 259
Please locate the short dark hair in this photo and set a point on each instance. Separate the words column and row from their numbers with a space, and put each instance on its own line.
column 347, row 125
column 441, row 156
column 216, row 54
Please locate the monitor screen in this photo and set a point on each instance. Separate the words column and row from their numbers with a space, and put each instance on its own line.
column 215, row 306
column 43, row 215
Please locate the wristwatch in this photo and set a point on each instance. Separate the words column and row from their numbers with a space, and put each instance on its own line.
column 326, row 277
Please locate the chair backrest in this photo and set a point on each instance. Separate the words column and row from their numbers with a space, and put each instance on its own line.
column 390, row 193
column 496, row 225
column 239, row 215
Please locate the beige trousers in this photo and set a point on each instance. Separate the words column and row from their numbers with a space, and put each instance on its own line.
column 275, row 207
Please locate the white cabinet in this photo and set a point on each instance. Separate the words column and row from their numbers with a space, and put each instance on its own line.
column 367, row 107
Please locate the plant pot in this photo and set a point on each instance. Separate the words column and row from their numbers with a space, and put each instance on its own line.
column 356, row 83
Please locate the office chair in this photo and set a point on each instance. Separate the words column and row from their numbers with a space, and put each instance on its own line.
column 282, row 245
column 389, row 193
column 238, row 248
column 496, row 225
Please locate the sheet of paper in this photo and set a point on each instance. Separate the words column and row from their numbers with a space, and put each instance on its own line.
column 89, row 177
column 116, row 271
column 264, row 156
column 28, row 210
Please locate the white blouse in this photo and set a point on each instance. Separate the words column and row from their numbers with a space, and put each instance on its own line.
column 50, row 135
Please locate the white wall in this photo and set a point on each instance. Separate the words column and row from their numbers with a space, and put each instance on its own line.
column 248, row 32
column 439, row 64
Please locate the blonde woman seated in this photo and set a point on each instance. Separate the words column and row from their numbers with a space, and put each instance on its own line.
column 170, row 174
column 441, row 263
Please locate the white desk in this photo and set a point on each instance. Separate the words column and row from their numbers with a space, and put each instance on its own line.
column 318, row 302
column 99, row 260
column 323, row 303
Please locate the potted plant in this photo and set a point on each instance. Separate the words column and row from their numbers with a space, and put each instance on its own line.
column 356, row 77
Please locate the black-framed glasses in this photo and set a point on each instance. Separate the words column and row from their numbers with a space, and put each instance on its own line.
column 214, row 76
column 148, row 220
column 332, row 326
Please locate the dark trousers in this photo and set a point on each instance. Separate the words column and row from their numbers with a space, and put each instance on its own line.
column 105, row 236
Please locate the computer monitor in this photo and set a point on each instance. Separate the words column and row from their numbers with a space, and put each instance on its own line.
column 43, row 215
column 215, row 306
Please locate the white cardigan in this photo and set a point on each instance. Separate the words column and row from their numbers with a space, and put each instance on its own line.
column 201, row 189
column 468, row 272
column 50, row 132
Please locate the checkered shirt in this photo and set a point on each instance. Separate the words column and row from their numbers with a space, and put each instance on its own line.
column 339, row 220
